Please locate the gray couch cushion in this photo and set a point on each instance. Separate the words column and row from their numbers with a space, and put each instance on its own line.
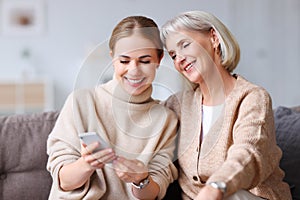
column 23, row 155
column 287, row 122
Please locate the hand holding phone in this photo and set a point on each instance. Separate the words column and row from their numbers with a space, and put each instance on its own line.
column 97, row 160
column 91, row 137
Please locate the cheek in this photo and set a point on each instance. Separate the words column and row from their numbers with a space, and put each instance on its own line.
column 119, row 70
column 176, row 64
column 151, row 70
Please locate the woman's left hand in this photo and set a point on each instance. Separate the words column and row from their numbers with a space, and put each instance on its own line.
column 209, row 193
column 130, row 170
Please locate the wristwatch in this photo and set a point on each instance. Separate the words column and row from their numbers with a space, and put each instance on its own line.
column 142, row 184
column 219, row 185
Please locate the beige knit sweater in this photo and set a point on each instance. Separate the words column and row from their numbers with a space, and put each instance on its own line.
column 137, row 127
column 240, row 148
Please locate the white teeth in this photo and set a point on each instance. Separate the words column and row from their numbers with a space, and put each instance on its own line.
column 188, row 67
column 135, row 80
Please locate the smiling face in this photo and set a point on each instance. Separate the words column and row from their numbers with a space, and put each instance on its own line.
column 135, row 61
column 192, row 53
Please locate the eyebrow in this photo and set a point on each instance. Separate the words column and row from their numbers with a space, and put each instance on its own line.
column 123, row 56
column 141, row 57
column 181, row 42
column 178, row 44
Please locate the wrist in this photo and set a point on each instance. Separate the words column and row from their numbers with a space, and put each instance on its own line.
column 220, row 185
column 142, row 183
column 85, row 166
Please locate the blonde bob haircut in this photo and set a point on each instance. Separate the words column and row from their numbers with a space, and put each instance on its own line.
column 204, row 22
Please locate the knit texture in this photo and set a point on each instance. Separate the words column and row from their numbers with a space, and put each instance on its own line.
column 239, row 149
column 137, row 127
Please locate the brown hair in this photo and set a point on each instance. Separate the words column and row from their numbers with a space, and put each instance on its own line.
column 145, row 26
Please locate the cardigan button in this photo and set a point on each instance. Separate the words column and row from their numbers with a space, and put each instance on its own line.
column 195, row 178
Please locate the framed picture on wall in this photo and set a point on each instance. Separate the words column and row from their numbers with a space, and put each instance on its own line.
column 22, row 18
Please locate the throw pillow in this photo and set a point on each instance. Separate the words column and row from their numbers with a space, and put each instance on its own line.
column 287, row 124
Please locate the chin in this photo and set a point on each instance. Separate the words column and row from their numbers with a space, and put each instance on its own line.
column 133, row 91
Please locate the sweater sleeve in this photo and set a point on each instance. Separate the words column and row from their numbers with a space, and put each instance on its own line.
column 161, row 167
column 254, row 154
column 63, row 147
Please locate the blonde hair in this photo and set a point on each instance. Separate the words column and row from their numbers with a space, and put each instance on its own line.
column 204, row 22
column 143, row 25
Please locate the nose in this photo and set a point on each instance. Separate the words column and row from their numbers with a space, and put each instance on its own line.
column 133, row 64
column 179, row 58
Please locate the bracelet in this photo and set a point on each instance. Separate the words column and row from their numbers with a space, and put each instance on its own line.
column 219, row 185
column 143, row 183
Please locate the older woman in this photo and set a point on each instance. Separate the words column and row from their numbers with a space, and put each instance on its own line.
column 227, row 146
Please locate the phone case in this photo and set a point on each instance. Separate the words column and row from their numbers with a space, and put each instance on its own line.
column 90, row 137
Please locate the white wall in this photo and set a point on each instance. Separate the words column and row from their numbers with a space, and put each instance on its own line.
column 269, row 35
column 268, row 32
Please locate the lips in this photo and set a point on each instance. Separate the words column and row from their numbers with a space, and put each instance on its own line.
column 134, row 81
column 189, row 66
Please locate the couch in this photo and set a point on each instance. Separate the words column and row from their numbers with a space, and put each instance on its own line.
column 23, row 155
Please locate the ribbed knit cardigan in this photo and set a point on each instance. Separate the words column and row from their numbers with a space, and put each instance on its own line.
column 137, row 127
column 240, row 148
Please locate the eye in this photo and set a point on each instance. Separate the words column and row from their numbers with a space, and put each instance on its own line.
column 145, row 61
column 185, row 44
column 124, row 61
column 172, row 55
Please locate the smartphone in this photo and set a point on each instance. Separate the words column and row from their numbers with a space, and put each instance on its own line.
column 90, row 137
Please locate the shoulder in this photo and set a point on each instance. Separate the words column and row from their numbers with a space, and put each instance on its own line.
column 251, row 91
column 81, row 95
column 84, row 94
column 249, row 97
column 161, row 111
column 84, row 98
column 175, row 102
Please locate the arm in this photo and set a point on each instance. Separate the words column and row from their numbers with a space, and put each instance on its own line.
column 249, row 159
column 66, row 156
column 158, row 165
column 134, row 171
column 151, row 191
column 76, row 174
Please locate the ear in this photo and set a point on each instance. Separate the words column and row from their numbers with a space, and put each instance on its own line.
column 111, row 53
column 214, row 38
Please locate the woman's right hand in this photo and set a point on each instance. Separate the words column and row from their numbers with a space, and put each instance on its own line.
column 75, row 175
column 97, row 159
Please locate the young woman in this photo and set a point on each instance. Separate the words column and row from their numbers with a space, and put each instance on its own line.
column 227, row 146
column 139, row 131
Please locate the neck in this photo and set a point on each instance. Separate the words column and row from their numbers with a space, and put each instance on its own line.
column 120, row 93
column 217, row 87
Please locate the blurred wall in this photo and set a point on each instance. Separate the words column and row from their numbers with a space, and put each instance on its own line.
column 268, row 32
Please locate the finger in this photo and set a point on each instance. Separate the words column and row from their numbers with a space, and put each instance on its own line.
column 107, row 158
column 100, row 155
column 124, row 176
column 97, row 164
column 83, row 150
column 119, row 166
column 122, row 172
column 134, row 166
column 103, row 152
column 88, row 149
